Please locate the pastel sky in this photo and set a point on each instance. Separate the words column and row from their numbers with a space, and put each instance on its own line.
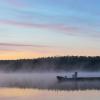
column 40, row 28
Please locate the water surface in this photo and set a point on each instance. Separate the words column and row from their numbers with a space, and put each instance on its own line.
column 47, row 81
column 36, row 94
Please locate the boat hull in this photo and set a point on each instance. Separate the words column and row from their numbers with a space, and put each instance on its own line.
column 60, row 78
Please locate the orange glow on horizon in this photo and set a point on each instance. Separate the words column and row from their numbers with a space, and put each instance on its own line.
column 7, row 55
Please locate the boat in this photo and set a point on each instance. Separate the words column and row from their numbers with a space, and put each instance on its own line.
column 61, row 78
column 76, row 78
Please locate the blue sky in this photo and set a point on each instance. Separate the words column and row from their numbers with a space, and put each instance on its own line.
column 36, row 28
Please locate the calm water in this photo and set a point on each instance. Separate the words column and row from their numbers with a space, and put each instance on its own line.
column 13, row 87
column 46, row 81
column 35, row 94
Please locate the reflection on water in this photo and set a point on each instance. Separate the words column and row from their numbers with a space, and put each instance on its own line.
column 78, row 85
column 35, row 94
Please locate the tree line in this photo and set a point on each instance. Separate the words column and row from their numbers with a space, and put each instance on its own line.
column 64, row 63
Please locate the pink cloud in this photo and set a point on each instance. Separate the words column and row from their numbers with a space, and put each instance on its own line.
column 21, row 45
column 29, row 48
column 56, row 27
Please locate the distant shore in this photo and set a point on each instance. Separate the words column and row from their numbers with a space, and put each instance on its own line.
column 63, row 63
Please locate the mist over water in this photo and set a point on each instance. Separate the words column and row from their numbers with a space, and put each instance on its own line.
column 46, row 80
column 41, row 73
column 27, row 80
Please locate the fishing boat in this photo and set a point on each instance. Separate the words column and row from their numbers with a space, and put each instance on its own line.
column 76, row 78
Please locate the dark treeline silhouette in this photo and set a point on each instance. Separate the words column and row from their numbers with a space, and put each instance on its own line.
column 65, row 63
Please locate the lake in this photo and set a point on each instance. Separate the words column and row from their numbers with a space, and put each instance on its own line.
column 46, row 81
column 36, row 94
column 44, row 86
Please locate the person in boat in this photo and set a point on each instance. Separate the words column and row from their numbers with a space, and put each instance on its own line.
column 75, row 75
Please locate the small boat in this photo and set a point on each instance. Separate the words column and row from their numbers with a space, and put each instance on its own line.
column 75, row 78
column 64, row 78
column 61, row 78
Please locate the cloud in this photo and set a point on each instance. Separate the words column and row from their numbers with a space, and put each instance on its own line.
column 16, row 51
column 56, row 27
column 21, row 45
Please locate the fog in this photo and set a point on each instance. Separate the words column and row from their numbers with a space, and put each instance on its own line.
column 46, row 80
column 27, row 80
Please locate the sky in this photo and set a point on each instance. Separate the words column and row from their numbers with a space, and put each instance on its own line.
column 42, row 28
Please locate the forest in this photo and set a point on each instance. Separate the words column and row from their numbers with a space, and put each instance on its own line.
column 63, row 63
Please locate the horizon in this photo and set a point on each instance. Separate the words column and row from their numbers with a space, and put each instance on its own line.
column 32, row 29
column 46, row 57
